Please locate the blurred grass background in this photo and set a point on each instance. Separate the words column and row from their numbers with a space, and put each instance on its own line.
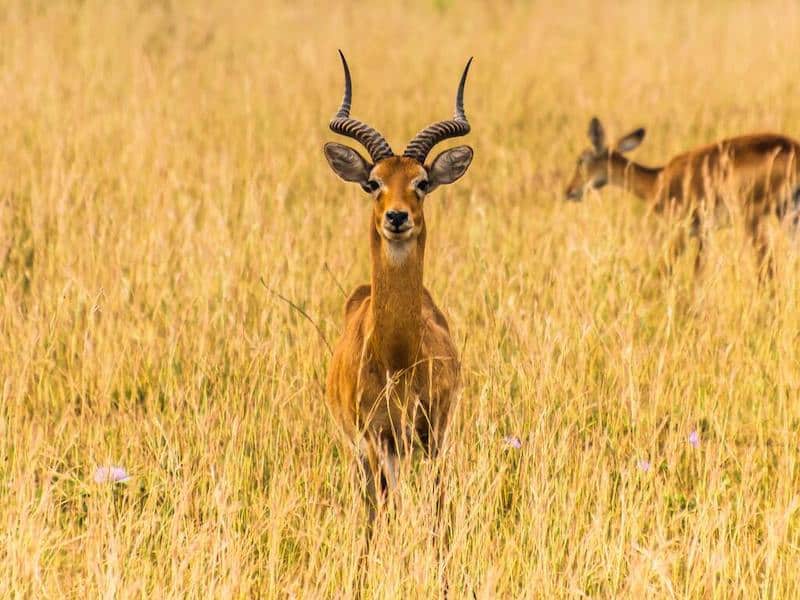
column 157, row 159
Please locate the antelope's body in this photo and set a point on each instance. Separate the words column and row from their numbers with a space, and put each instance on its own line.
column 395, row 370
column 755, row 175
column 355, row 384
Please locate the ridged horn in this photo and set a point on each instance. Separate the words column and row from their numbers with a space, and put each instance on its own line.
column 365, row 135
column 425, row 140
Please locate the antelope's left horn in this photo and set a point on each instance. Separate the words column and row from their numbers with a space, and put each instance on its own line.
column 425, row 140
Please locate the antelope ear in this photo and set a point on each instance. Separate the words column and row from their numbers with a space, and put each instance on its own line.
column 628, row 142
column 597, row 135
column 347, row 163
column 449, row 166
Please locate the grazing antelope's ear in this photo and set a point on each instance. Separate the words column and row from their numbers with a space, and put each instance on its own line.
column 628, row 142
column 597, row 135
column 449, row 166
column 347, row 163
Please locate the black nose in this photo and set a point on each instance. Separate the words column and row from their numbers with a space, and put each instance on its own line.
column 396, row 218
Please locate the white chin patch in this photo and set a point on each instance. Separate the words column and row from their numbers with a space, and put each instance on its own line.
column 397, row 251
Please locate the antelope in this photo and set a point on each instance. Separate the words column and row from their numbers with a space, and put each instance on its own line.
column 395, row 369
column 760, row 170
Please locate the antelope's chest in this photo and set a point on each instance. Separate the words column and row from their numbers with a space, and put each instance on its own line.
column 381, row 379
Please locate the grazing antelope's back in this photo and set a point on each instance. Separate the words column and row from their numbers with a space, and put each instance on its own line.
column 395, row 369
column 759, row 168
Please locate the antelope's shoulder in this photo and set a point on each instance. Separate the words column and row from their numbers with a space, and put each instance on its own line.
column 431, row 311
column 346, row 355
column 439, row 345
column 356, row 300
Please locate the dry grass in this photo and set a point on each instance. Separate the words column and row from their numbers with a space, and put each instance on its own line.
column 158, row 159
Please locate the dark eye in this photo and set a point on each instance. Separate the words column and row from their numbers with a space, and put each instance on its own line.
column 423, row 185
column 372, row 185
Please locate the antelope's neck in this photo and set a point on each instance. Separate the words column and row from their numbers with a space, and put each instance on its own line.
column 396, row 299
column 641, row 181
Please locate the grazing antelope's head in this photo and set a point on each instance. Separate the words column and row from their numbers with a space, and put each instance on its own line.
column 398, row 184
column 592, row 171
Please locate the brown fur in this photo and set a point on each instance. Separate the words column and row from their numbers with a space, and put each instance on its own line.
column 760, row 171
column 395, row 369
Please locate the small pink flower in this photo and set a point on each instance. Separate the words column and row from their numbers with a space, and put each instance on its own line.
column 111, row 474
column 643, row 465
column 512, row 441
column 694, row 439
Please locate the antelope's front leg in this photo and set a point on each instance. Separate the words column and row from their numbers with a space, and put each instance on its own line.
column 697, row 231
column 368, row 471
column 759, row 236
column 676, row 246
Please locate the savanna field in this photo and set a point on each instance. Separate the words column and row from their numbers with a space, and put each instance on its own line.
column 164, row 200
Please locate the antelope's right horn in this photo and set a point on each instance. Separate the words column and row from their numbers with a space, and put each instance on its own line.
column 365, row 135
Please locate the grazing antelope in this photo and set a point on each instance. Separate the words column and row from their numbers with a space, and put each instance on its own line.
column 395, row 370
column 759, row 170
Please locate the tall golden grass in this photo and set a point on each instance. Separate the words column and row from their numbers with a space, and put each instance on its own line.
column 158, row 159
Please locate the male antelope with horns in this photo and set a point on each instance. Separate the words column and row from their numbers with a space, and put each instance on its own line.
column 759, row 172
column 395, row 370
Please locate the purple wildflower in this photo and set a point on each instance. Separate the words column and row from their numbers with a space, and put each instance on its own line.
column 643, row 465
column 512, row 441
column 110, row 474
column 694, row 439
